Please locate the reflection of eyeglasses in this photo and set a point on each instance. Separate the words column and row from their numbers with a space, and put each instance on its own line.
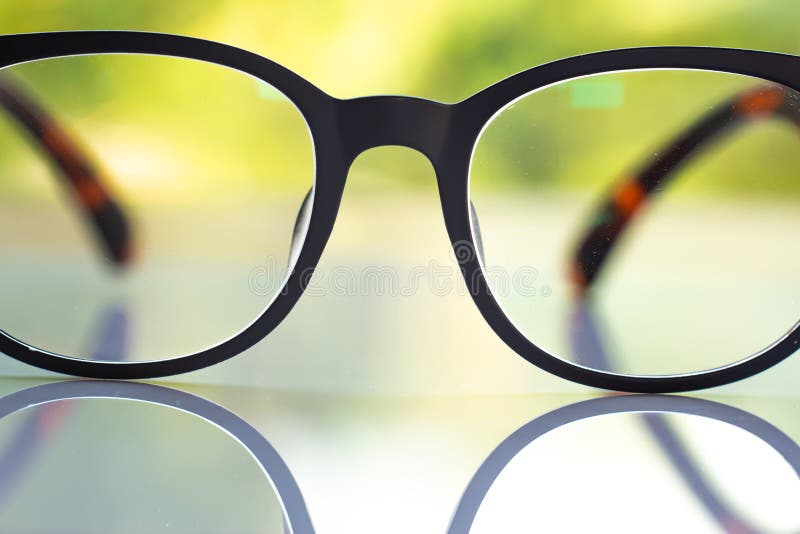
column 654, row 410
column 296, row 516
column 491, row 130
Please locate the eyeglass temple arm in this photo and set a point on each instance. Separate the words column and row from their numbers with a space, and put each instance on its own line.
column 629, row 195
column 83, row 179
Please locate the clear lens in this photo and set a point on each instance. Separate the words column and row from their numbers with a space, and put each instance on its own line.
column 210, row 168
column 701, row 261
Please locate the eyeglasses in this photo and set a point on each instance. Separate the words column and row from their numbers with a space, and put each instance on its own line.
column 190, row 161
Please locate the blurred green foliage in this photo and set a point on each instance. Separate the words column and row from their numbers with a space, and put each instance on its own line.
column 443, row 50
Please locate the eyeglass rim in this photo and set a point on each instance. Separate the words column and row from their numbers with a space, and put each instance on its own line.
column 335, row 127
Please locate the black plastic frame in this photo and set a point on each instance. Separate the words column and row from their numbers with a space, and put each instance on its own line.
column 446, row 134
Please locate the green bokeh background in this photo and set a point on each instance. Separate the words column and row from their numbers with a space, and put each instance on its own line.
column 444, row 50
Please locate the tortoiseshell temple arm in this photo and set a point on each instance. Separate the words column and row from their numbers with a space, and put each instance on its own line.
column 75, row 167
column 629, row 196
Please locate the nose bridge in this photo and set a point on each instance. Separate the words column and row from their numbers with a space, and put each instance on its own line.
column 375, row 121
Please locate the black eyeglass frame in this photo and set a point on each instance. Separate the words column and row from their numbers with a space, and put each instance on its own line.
column 446, row 134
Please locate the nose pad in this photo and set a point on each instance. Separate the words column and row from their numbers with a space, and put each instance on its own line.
column 300, row 225
column 476, row 230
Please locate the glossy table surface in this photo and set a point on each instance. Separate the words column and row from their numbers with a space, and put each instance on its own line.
column 95, row 456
